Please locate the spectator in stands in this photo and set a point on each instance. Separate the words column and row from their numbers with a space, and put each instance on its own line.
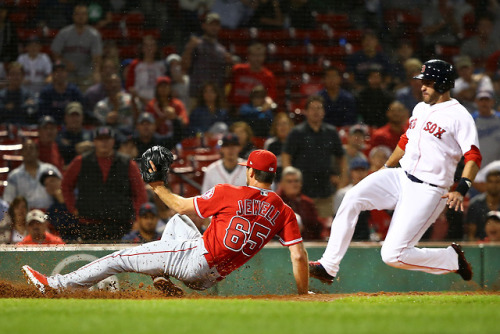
column 46, row 141
column 146, row 226
column 233, row 14
column 411, row 94
column 143, row 72
column 397, row 123
column 246, row 76
column 468, row 84
column 480, row 46
column 191, row 12
column 404, row 52
column 73, row 139
column 245, row 136
column 311, row 147
column 17, row 104
column 340, row 105
column 259, row 112
column 488, row 126
column 55, row 97
column 280, row 128
column 103, row 174
column 58, row 215
column 205, row 59
column 146, row 137
column 360, row 64
column 180, row 80
column 373, row 101
column 267, row 15
column 378, row 156
column 356, row 143
column 290, row 190
column 13, row 224
column 23, row 181
column 441, row 24
column 492, row 227
column 226, row 169
column 37, row 66
column 298, row 14
column 36, row 224
column 166, row 108
column 209, row 110
column 118, row 109
column 127, row 147
column 480, row 205
column 99, row 91
column 358, row 170
column 58, row 16
column 79, row 46
column 9, row 48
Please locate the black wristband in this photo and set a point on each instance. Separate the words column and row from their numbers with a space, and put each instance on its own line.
column 463, row 186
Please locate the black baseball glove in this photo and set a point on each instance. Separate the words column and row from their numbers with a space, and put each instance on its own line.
column 162, row 158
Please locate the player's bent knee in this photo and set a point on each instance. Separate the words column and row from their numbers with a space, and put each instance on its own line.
column 390, row 256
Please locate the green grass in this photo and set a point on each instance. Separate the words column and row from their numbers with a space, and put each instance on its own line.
column 354, row 314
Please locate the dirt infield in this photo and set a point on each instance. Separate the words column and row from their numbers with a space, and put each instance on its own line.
column 17, row 290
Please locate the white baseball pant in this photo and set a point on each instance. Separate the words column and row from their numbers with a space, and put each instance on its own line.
column 179, row 254
column 416, row 207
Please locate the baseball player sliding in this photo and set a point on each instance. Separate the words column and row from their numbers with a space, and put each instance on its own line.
column 441, row 131
column 244, row 219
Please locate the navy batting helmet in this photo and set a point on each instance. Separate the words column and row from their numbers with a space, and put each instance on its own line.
column 442, row 73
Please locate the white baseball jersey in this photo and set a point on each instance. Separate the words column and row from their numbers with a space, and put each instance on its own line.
column 449, row 130
column 36, row 70
column 217, row 174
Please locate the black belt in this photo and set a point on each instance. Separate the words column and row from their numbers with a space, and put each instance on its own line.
column 417, row 180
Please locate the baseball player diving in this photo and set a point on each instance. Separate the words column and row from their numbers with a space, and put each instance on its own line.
column 415, row 183
column 243, row 220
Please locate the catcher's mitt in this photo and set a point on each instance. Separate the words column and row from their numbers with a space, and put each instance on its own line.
column 161, row 158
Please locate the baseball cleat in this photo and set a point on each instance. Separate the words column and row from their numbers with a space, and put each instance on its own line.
column 165, row 286
column 317, row 271
column 35, row 278
column 464, row 267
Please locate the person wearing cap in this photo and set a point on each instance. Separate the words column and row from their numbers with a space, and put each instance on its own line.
column 180, row 80
column 17, row 104
column 315, row 148
column 37, row 66
column 79, row 46
column 145, row 135
column 492, row 227
column 47, row 146
column 259, row 112
column 110, row 190
column 55, row 97
column 166, row 108
column 356, row 142
column 487, row 121
column 23, row 181
column 290, row 190
column 246, row 76
column 468, row 84
column 142, row 72
column 358, row 170
column 397, row 124
column 73, row 138
column 243, row 220
column 227, row 169
column 118, row 109
column 36, row 224
column 205, row 59
column 146, row 226
column 480, row 205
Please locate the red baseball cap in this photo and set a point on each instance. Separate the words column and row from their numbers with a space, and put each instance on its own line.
column 163, row 79
column 261, row 160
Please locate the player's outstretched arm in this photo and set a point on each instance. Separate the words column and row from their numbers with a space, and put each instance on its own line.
column 396, row 155
column 455, row 199
column 179, row 204
column 299, row 258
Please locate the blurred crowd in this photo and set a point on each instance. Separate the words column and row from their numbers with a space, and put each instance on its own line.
column 325, row 85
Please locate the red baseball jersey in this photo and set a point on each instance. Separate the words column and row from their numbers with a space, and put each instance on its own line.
column 244, row 219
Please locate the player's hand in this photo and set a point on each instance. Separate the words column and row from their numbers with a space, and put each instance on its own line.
column 455, row 200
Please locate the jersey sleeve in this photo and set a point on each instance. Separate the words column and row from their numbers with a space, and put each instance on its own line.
column 209, row 203
column 466, row 133
column 290, row 234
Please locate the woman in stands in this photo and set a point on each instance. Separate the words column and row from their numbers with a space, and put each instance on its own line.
column 13, row 225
